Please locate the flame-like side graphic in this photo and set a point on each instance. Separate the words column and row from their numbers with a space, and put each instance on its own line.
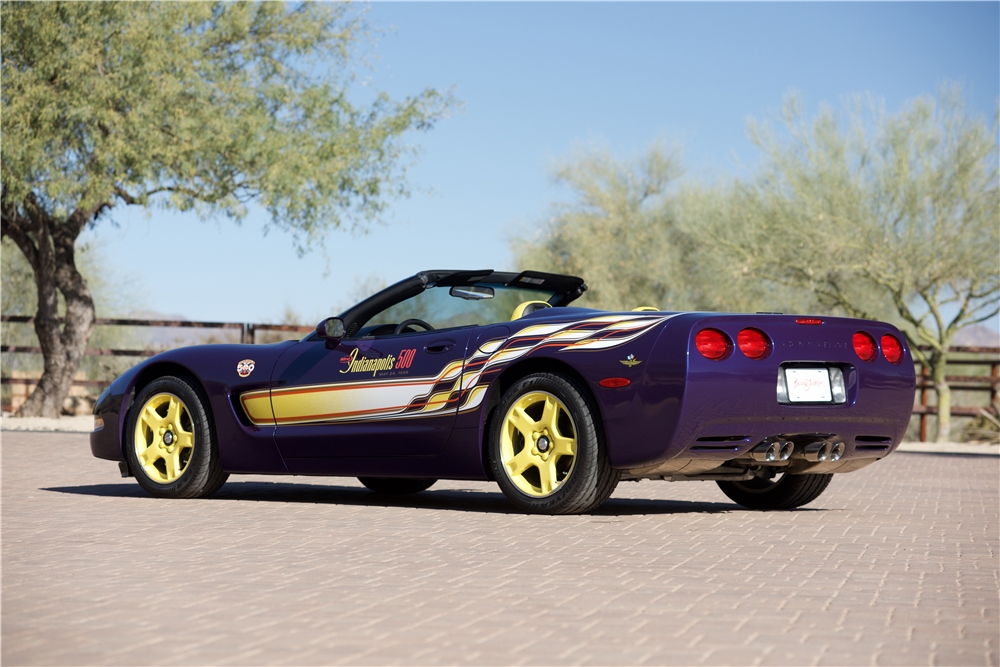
column 593, row 334
column 460, row 384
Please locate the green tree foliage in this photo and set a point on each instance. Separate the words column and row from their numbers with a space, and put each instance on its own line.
column 640, row 239
column 617, row 233
column 193, row 106
column 876, row 208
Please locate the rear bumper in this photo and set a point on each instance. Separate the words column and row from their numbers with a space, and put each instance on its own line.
column 689, row 408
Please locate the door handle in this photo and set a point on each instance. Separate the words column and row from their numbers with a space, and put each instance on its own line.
column 439, row 346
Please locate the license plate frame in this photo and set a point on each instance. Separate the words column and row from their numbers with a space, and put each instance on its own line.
column 808, row 385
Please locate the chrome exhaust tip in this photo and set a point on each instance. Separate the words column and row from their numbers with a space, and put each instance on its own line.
column 836, row 451
column 818, row 452
column 771, row 452
column 786, row 450
column 766, row 452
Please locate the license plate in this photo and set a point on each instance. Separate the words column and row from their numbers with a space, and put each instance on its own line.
column 808, row 385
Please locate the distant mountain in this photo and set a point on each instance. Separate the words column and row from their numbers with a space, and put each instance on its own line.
column 977, row 336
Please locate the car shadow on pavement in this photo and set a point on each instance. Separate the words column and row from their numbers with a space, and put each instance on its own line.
column 459, row 500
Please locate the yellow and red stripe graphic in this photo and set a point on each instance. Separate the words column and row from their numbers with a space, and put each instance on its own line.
column 451, row 389
column 354, row 401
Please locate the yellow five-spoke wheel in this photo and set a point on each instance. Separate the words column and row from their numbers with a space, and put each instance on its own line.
column 164, row 438
column 170, row 445
column 537, row 443
column 545, row 447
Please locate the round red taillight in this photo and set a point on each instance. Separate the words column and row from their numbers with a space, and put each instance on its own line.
column 713, row 344
column 864, row 345
column 892, row 349
column 754, row 343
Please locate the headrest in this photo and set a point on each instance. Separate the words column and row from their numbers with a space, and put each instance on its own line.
column 528, row 307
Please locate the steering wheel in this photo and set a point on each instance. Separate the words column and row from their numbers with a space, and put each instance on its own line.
column 405, row 323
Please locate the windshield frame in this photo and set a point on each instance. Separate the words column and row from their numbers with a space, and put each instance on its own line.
column 558, row 289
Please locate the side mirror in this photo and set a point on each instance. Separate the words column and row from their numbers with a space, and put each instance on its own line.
column 331, row 330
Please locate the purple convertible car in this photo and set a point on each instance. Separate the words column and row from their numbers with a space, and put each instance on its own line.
column 487, row 375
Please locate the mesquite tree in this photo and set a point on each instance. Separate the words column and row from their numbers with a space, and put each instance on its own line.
column 642, row 239
column 904, row 205
column 193, row 106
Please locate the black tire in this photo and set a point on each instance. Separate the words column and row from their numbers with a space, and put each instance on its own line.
column 573, row 483
column 396, row 486
column 196, row 471
column 788, row 492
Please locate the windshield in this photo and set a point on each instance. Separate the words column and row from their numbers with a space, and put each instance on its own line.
column 438, row 308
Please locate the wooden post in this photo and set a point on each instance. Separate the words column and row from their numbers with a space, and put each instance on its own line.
column 924, row 376
column 994, row 375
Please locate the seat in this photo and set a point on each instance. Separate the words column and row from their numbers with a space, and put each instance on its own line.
column 645, row 309
column 529, row 307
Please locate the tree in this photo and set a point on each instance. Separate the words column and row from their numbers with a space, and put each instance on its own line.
column 20, row 298
column 615, row 233
column 192, row 106
column 882, row 208
column 641, row 239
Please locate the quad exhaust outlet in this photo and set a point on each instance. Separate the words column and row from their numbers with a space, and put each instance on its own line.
column 782, row 450
column 768, row 452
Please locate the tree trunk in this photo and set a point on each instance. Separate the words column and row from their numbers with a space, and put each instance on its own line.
column 49, row 246
column 938, row 366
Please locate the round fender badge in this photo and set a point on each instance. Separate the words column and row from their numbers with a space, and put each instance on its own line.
column 244, row 368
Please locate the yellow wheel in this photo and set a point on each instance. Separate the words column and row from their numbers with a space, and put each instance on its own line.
column 546, row 449
column 164, row 438
column 169, row 443
column 538, row 443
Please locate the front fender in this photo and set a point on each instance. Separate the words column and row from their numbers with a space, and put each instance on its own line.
column 242, row 446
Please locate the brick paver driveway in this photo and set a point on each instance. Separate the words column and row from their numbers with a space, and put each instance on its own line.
column 896, row 564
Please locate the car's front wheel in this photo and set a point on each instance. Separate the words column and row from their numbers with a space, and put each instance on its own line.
column 545, row 447
column 169, row 442
column 785, row 493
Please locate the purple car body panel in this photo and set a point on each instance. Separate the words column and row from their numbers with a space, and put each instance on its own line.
column 677, row 406
column 243, row 447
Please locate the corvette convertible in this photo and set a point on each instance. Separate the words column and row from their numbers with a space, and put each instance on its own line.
column 488, row 375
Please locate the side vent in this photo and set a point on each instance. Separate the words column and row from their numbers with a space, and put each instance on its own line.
column 241, row 414
column 872, row 443
column 724, row 438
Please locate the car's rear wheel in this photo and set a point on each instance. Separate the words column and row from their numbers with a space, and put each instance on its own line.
column 396, row 486
column 169, row 442
column 546, row 450
column 784, row 493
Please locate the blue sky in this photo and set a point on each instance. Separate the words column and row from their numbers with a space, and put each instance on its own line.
column 538, row 81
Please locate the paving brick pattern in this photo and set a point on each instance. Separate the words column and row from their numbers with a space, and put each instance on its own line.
column 896, row 564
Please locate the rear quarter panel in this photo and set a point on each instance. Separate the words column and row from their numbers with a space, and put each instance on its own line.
column 684, row 396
